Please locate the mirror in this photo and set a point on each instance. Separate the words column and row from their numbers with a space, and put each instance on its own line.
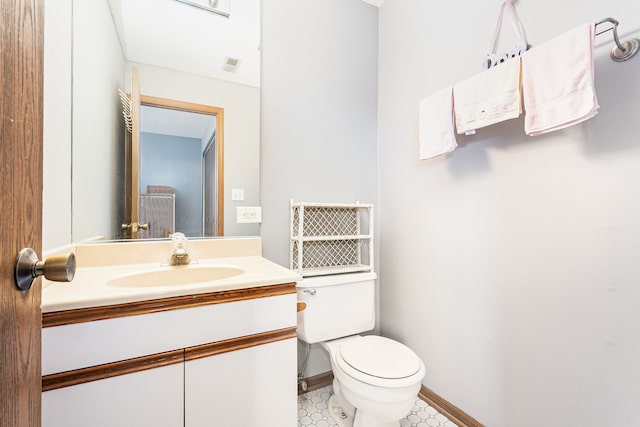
column 184, row 54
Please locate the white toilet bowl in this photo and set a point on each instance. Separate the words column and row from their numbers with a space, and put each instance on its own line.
column 376, row 381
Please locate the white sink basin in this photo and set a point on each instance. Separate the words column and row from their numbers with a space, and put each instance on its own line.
column 172, row 276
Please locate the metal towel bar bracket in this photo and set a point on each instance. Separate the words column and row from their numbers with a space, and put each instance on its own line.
column 624, row 49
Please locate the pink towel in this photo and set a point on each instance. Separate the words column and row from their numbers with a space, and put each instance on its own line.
column 435, row 121
column 558, row 82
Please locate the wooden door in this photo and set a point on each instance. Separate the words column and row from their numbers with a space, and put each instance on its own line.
column 21, row 85
column 209, row 189
column 190, row 107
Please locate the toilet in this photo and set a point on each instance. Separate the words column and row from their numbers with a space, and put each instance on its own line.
column 376, row 379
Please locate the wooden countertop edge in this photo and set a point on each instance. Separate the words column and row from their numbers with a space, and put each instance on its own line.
column 143, row 363
column 89, row 314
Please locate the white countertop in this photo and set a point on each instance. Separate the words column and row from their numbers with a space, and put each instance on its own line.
column 90, row 287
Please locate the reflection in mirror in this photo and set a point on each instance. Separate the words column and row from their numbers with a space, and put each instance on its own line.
column 180, row 169
column 182, row 54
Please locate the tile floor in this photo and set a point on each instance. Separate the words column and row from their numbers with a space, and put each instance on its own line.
column 313, row 411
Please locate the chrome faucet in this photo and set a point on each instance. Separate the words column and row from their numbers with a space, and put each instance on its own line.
column 179, row 256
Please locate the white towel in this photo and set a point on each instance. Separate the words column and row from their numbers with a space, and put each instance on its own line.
column 435, row 122
column 489, row 97
column 558, row 82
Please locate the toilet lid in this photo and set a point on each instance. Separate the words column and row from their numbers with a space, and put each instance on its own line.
column 380, row 357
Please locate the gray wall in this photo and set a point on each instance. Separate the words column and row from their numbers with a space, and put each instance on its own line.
column 319, row 107
column 56, row 168
column 511, row 267
column 97, row 125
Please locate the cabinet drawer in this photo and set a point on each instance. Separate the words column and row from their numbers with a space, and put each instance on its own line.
column 81, row 345
column 147, row 398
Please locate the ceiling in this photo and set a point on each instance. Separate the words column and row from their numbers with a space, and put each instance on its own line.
column 174, row 35
column 164, row 121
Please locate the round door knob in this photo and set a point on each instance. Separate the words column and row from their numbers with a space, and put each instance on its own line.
column 134, row 226
column 57, row 268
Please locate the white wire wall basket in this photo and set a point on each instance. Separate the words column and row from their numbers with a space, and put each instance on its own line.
column 330, row 238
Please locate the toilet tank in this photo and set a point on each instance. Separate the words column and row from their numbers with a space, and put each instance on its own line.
column 338, row 305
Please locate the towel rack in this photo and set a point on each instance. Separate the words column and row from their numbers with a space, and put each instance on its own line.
column 625, row 49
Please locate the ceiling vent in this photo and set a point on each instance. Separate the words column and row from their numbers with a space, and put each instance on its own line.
column 231, row 65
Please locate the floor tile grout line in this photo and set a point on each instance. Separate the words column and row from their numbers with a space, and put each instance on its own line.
column 313, row 411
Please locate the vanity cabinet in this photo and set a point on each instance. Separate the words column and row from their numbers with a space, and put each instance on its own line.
column 151, row 397
column 248, row 387
column 224, row 358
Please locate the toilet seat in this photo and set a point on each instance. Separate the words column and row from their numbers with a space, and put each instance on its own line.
column 379, row 361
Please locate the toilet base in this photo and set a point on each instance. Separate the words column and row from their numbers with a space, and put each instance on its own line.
column 363, row 420
column 340, row 412
column 345, row 415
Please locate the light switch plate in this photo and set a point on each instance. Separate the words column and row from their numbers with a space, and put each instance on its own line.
column 237, row 194
column 249, row 214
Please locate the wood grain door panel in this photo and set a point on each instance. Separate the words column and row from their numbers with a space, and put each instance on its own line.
column 21, row 112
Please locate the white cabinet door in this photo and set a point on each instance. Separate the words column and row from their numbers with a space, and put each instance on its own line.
column 252, row 387
column 151, row 398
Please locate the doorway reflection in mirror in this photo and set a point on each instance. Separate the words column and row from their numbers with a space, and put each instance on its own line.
column 177, row 172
